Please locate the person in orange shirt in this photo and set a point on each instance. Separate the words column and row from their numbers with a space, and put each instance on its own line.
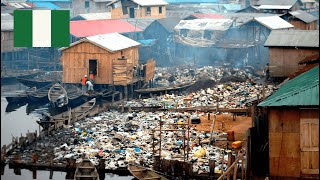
column 83, row 83
column 91, row 76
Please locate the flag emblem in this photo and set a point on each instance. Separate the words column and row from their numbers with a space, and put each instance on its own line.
column 41, row 28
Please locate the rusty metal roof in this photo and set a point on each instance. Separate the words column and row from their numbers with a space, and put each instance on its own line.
column 303, row 16
column 302, row 90
column 293, row 38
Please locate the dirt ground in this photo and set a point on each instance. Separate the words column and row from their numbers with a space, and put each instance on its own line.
column 224, row 123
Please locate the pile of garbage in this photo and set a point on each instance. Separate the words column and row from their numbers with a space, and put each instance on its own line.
column 170, row 76
column 228, row 95
column 121, row 138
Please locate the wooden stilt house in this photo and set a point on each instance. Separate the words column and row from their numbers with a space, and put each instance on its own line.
column 112, row 58
column 293, row 128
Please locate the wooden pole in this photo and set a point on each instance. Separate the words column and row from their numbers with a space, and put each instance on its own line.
column 160, row 141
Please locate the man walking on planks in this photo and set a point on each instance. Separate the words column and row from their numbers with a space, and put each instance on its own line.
column 83, row 83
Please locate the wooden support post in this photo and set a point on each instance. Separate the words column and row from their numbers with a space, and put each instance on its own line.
column 229, row 163
column 212, row 166
column 126, row 92
column 34, row 173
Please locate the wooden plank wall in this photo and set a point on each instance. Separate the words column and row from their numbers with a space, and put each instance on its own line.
column 304, row 26
column 284, row 61
column 6, row 41
column 150, row 70
column 75, row 63
column 284, row 142
column 117, row 13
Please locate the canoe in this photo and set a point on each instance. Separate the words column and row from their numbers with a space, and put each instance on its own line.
column 141, row 172
column 40, row 95
column 57, row 95
column 75, row 95
column 42, row 80
column 86, row 171
column 10, row 76
column 35, row 82
column 20, row 97
column 70, row 116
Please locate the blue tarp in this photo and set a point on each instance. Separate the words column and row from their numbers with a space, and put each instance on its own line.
column 191, row 1
column 232, row 7
column 46, row 5
column 147, row 42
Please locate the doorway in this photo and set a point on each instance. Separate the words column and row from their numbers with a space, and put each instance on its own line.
column 131, row 12
column 93, row 67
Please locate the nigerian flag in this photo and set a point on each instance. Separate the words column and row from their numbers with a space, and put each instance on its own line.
column 41, row 28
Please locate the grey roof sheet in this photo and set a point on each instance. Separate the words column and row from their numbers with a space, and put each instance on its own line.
column 293, row 38
column 141, row 23
column 277, row 2
column 169, row 23
column 303, row 16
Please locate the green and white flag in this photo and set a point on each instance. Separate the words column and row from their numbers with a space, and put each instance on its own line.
column 41, row 28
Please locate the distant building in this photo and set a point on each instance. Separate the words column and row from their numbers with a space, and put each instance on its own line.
column 308, row 4
column 278, row 6
column 138, row 9
column 289, row 47
column 301, row 20
column 162, row 30
column 293, row 128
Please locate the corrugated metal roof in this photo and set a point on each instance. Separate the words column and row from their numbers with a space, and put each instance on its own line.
column 150, row 2
column 145, row 2
column 293, row 38
column 48, row 5
column 95, row 16
column 205, row 24
column 277, row 2
column 274, row 7
column 308, row 1
column 191, row 1
column 141, row 23
column 169, row 23
column 208, row 16
column 273, row 22
column 111, row 42
column 19, row 5
column 303, row 90
column 304, row 16
column 86, row 28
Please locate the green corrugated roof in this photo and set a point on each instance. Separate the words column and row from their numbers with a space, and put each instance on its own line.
column 303, row 90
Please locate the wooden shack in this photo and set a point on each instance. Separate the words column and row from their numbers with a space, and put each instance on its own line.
column 112, row 58
column 293, row 125
column 288, row 47
column 301, row 20
column 138, row 9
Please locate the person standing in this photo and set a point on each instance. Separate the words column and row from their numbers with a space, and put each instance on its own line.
column 83, row 83
column 90, row 86
column 267, row 71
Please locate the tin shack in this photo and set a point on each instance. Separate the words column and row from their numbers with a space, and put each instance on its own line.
column 293, row 128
